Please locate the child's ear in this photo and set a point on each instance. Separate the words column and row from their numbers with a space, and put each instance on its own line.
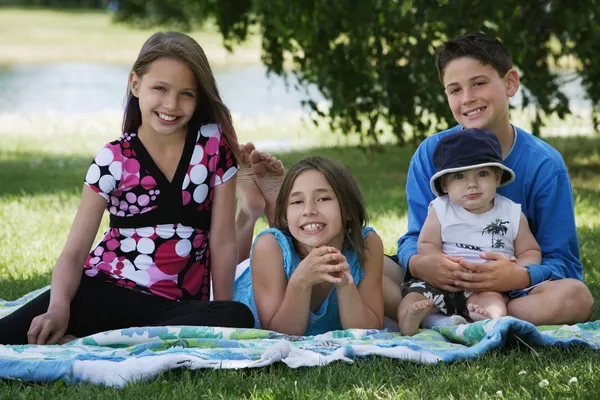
column 512, row 82
column 134, row 83
column 443, row 184
column 499, row 173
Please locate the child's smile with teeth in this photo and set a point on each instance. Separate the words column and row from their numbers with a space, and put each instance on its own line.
column 167, row 95
column 313, row 212
column 474, row 112
column 166, row 117
column 312, row 227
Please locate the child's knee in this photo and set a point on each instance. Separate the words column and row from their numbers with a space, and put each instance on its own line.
column 392, row 270
column 578, row 295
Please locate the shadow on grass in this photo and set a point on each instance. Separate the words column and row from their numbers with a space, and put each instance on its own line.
column 26, row 173
column 381, row 175
column 12, row 289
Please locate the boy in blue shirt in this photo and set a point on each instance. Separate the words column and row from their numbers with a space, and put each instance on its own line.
column 478, row 78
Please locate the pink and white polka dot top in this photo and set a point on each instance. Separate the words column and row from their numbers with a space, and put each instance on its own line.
column 158, row 240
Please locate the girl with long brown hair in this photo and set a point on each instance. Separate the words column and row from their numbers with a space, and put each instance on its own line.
column 168, row 184
column 319, row 267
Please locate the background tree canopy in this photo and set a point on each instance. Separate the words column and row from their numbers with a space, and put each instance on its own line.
column 374, row 60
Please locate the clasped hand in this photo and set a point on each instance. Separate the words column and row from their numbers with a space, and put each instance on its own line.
column 437, row 269
column 324, row 264
column 497, row 274
column 454, row 274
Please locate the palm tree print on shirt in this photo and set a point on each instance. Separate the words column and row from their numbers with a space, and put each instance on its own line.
column 496, row 228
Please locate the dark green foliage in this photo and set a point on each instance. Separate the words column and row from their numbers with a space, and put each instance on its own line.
column 232, row 16
column 374, row 60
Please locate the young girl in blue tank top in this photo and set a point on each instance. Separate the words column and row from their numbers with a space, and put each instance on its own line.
column 319, row 267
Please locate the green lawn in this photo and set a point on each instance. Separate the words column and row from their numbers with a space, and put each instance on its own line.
column 32, row 36
column 39, row 192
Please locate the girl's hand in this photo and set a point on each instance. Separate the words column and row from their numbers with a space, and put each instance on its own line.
column 322, row 264
column 48, row 328
column 344, row 274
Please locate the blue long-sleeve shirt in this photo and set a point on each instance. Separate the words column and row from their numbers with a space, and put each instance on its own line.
column 542, row 187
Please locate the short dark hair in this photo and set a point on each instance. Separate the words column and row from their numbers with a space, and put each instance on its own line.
column 352, row 206
column 480, row 46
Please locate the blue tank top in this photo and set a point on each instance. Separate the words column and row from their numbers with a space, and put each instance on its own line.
column 327, row 317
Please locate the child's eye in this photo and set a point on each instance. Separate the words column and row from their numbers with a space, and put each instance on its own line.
column 459, row 176
column 160, row 89
column 483, row 173
column 324, row 198
column 295, row 202
column 479, row 83
column 188, row 94
column 454, row 91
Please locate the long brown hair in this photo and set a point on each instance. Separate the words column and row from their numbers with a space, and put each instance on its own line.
column 209, row 106
column 352, row 206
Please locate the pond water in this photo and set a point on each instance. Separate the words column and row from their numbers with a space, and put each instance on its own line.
column 89, row 88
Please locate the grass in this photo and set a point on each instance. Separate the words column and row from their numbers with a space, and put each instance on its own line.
column 43, row 162
column 40, row 181
column 38, row 35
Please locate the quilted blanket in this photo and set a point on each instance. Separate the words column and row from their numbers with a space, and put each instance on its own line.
column 117, row 357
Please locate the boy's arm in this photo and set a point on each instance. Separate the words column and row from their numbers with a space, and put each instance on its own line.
column 555, row 231
column 418, row 197
column 527, row 250
column 432, row 268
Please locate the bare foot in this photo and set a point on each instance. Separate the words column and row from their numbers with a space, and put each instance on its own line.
column 414, row 315
column 250, row 198
column 66, row 339
column 477, row 313
column 268, row 172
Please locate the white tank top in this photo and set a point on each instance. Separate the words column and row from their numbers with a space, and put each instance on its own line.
column 465, row 234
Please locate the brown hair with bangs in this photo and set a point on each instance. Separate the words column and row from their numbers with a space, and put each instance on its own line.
column 349, row 196
column 209, row 106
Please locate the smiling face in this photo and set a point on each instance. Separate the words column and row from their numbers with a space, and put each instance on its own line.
column 313, row 212
column 473, row 189
column 478, row 95
column 167, row 97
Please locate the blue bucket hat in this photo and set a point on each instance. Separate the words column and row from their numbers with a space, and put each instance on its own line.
column 464, row 150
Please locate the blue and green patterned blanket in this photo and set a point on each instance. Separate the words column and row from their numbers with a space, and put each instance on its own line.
column 117, row 357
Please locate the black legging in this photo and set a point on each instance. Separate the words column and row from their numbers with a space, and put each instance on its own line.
column 100, row 306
